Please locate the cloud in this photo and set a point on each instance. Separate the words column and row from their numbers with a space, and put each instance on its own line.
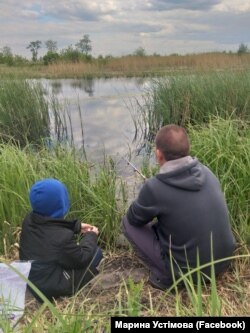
column 119, row 27
column 235, row 6
column 134, row 27
column 29, row 14
column 82, row 9
column 163, row 5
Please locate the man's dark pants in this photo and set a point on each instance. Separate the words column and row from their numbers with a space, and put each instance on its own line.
column 146, row 245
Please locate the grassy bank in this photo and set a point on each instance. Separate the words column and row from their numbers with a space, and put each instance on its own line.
column 91, row 309
column 130, row 66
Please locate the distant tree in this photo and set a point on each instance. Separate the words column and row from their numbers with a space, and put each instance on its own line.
column 71, row 54
column 19, row 60
column 51, row 45
column 50, row 58
column 84, row 45
column 6, row 50
column 6, row 56
column 109, row 56
column 243, row 48
column 140, row 52
column 34, row 46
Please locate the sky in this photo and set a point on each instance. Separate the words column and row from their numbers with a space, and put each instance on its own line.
column 119, row 27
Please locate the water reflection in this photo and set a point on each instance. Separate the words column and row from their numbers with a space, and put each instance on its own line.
column 84, row 84
column 98, row 112
column 56, row 87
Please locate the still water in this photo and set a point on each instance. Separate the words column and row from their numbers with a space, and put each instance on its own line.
column 99, row 112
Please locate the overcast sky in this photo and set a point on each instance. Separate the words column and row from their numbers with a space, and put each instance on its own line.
column 119, row 27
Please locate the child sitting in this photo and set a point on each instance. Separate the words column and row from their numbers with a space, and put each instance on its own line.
column 60, row 265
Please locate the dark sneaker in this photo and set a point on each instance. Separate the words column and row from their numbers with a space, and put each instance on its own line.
column 157, row 283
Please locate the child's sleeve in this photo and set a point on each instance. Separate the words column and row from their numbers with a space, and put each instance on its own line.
column 78, row 256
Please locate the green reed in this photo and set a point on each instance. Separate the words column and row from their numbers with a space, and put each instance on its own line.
column 183, row 99
column 28, row 114
column 24, row 112
column 224, row 146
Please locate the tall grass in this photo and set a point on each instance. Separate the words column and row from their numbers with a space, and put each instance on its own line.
column 29, row 115
column 194, row 98
column 24, row 112
column 93, row 193
column 224, row 146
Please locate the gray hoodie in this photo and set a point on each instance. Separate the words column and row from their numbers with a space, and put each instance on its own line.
column 191, row 212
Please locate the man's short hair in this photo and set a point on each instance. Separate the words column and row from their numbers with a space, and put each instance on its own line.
column 172, row 140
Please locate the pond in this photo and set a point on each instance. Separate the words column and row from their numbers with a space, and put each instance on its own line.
column 100, row 113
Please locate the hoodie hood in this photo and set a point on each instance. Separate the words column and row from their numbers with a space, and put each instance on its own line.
column 188, row 177
column 49, row 197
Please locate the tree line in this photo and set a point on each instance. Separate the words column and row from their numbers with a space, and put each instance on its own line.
column 81, row 51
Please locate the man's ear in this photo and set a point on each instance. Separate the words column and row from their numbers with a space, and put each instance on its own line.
column 160, row 157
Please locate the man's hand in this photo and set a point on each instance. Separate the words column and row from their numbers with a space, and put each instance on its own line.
column 88, row 228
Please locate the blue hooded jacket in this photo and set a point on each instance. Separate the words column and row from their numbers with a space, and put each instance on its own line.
column 49, row 197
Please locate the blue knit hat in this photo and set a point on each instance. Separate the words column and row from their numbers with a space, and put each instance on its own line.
column 49, row 197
